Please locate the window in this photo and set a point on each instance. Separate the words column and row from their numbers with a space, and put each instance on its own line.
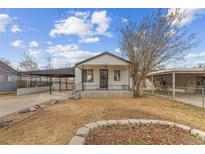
column 88, row 75
column 116, row 75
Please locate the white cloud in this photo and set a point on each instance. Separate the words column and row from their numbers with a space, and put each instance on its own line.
column 118, row 50
column 124, row 21
column 34, row 53
column 62, row 48
column 77, row 56
column 49, row 43
column 197, row 62
column 15, row 29
column 34, row 44
column 89, row 39
column 191, row 14
column 192, row 59
column 17, row 43
column 195, row 55
column 80, row 14
column 15, row 65
column 102, row 20
column 83, row 24
column 72, row 25
column 59, row 61
column 68, row 54
column 4, row 21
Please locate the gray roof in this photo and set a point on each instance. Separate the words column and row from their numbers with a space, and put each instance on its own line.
column 60, row 72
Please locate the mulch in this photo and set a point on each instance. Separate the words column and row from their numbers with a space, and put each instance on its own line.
column 141, row 135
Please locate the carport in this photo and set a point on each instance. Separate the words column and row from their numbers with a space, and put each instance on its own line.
column 50, row 74
column 186, row 85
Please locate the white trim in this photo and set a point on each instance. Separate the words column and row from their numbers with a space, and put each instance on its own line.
column 178, row 70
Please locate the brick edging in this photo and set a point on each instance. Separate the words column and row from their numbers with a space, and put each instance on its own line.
column 82, row 133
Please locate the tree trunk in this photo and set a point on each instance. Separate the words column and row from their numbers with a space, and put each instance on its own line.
column 138, row 91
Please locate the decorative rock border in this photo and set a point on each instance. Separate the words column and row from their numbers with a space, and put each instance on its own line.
column 82, row 133
column 4, row 123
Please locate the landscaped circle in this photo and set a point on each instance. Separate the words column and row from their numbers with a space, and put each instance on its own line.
column 151, row 134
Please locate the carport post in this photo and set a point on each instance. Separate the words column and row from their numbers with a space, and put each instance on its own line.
column 128, row 77
column 31, row 81
column 152, row 84
column 60, row 84
column 202, row 92
column 82, row 78
column 173, row 85
column 66, row 82
column 50, row 84
column 20, row 86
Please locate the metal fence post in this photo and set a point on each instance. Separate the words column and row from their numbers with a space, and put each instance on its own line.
column 168, row 92
column 202, row 96
column 152, row 89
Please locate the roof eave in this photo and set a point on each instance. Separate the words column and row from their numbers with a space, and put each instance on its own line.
column 103, row 53
column 9, row 67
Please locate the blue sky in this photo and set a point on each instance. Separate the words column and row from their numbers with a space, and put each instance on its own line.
column 78, row 35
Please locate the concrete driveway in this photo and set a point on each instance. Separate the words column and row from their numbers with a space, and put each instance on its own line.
column 11, row 104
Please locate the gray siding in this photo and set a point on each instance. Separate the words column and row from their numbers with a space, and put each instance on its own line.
column 7, row 79
column 4, row 87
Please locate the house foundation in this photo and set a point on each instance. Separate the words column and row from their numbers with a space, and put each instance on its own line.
column 106, row 94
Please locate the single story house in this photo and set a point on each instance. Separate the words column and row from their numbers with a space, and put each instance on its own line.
column 8, row 78
column 104, row 75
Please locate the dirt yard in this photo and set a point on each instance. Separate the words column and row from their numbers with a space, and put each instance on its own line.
column 57, row 124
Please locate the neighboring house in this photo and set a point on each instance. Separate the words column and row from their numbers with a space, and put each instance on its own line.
column 8, row 78
column 186, row 80
column 104, row 75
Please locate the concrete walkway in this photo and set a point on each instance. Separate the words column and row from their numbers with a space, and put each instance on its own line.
column 193, row 99
column 11, row 104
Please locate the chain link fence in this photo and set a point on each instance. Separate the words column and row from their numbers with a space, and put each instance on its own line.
column 189, row 95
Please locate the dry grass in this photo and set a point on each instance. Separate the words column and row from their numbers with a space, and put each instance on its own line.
column 58, row 123
column 12, row 93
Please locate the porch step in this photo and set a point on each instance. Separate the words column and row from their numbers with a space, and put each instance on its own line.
column 100, row 88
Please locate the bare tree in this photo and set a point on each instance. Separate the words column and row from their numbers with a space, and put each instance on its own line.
column 49, row 60
column 5, row 61
column 200, row 65
column 28, row 63
column 157, row 39
column 67, row 65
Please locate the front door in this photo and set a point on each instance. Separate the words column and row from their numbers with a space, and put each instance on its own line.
column 104, row 78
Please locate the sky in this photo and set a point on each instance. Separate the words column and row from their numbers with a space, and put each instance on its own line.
column 72, row 35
